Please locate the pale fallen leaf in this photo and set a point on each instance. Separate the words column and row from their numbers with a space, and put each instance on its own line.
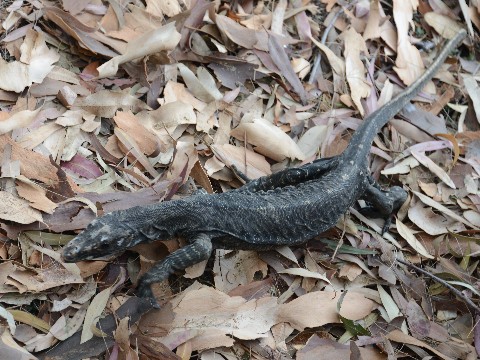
column 250, row 163
column 35, row 63
column 389, row 304
column 434, row 168
column 473, row 90
column 18, row 210
column 430, row 222
column 164, row 38
column 354, row 68
column 337, row 64
column 402, row 167
column 305, row 273
column 6, row 315
column 93, row 313
column 268, row 139
column 444, row 25
column 430, row 202
column 408, row 235
column 9, row 346
column 17, row 120
column 408, row 65
column 66, row 327
column 201, row 85
column 311, row 141
column 105, row 103
column 238, row 268
column 398, row 336
column 321, row 307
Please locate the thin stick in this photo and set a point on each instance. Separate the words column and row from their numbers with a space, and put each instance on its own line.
column 469, row 302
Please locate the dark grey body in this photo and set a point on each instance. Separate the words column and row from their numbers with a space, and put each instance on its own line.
column 287, row 208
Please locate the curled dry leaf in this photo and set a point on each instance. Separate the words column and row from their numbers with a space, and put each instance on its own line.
column 105, row 103
column 354, row 69
column 93, row 313
column 129, row 123
column 434, row 168
column 203, row 86
column 164, row 38
column 444, row 25
column 430, row 222
column 35, row 194
column 17, row 120
column 268, row 139
column 250, row 163
column 35, row 63
column 408, row 235
column 168, row 117
column 408, row 65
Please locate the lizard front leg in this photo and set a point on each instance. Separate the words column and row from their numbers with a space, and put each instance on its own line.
column 200, row 249
column 383, row 202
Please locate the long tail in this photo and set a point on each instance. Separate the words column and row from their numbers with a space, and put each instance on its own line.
column 362, row 139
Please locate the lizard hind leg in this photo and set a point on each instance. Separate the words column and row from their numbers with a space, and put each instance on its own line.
column 384, row 203
column 200, row 249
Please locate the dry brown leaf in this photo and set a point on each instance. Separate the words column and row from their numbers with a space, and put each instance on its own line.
column 321, row 307
column 434, row 168
column 129, row 123
column 398, row 336
column 35, row 194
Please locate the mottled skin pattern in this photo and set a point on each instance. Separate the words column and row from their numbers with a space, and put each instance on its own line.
column 287, row 208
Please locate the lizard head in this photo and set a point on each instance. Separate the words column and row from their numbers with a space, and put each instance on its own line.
column 103, row 236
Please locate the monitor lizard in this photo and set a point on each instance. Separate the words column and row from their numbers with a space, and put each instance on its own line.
column 287, row 208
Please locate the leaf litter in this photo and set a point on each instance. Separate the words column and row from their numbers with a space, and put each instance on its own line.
column 107, row 105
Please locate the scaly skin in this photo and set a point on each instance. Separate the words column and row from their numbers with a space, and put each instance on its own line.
column 286, row 208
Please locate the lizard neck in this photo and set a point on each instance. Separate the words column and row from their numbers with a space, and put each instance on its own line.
column 359, row 146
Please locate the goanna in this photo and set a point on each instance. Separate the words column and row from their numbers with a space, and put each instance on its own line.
column 287, row 208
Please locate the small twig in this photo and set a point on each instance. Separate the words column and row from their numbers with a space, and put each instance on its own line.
column 329, row 27
column 457, row 292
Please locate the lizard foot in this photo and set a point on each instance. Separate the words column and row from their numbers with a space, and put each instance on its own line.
column 383, row 203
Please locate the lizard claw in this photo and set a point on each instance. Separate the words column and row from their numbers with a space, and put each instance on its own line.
column 386, row 225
